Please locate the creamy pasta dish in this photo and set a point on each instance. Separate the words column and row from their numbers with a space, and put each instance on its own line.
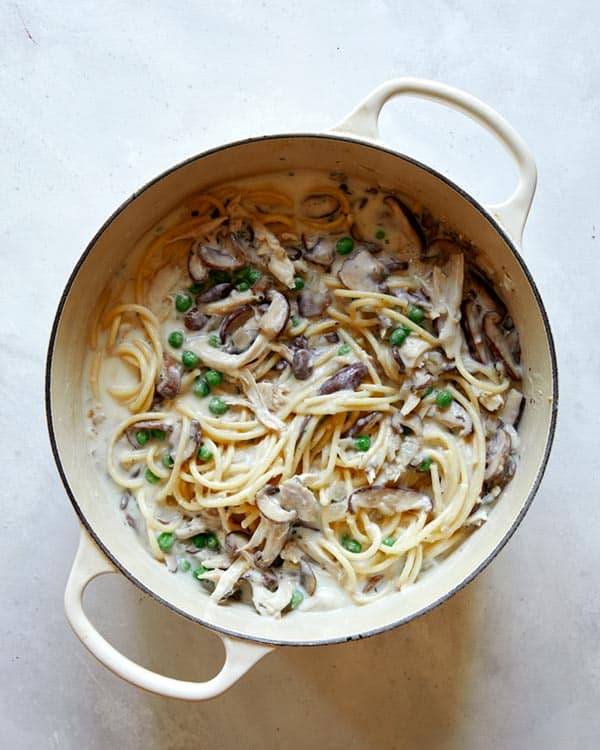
column 305, row 384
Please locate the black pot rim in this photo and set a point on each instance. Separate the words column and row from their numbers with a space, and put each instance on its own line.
column 541, row 469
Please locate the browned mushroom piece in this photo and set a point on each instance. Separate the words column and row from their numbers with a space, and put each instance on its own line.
column 197, row 269
column 472, row 325
column 362, row 271
column 319, row 250
column 302, row 364
column 194, row 319
column 414, row 238
column 169, row 378
column 275, row 537
column 298, row 342
column 312, row 304
column 218, row 291
column 234, row 320
column 478, row 286
column 276, row 317
column 319, row 206
column 512, row 410
column 308, row 579
column 294, row 496
column 145, row 424
column 500, row 345
column 389, row 500
column 229, row 259
column 363, row 424
column 193, row 440
column 497, row 457
column 346, row 378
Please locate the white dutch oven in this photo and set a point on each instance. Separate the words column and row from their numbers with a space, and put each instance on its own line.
column 106, row 544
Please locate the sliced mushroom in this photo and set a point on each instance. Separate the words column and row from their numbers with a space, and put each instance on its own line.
column 332, row 337
column 514, row 404
column 497, row 458
column 472, row 325
column 218, row 291
column 482, row 290
column 414, row 238
column 302, row 364
column 231, row 302
column 235, row 542
column 500, row 345
column 294, row 496
column 193, row 440
column 312, row 304
column 275, row 319
column 346, row 378
column 363, row 424
column 229, row 258
column 362, row 271
column 270, row 603
column 298, row 342
column 389, row 500
column 320, row 206
column 308, row 580
column 267, row 502
column 275, row 536
column 194, row 319
column 169, row 378
column 455, row 418
column 319, row 250
column 234, row 320
column 146, row 424
column 196, row 268
column 226, row 581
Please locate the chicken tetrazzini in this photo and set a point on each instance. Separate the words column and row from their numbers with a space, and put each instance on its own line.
column 304, row 379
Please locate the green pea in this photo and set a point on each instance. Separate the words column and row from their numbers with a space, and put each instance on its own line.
column 184, row 565
column 213, row 378
column 167, row 461
column 388, row 541
column 166, row 540
column 399, row 335
column 175, row 339
column 183, row 302
column 214, row 340
column 352, row 545
column 253, row 276
column 379, row 234
column 196, row 288
column 344, row 245
column 212, row 542
column 241, row 274
column 201, row 387
column 297, row 599
column 416, row 314
column 189, row 360
column 199, row 541
column 425, row 465
column 344, row 349
column 428, row 391
column 295, row 321
column 199, row 572
column 243, row 286
column 444, row 399
column 151, row 477
column 142, row 437
column 217, row 406
column 298, row 283
column 362, row 443
column 205, row 453
column 158, row 434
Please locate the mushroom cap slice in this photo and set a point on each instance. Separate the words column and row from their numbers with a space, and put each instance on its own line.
column 267, row 502
column 362, row 271
column 294, row 496
column 319, row 250
column 500, row 345
column 146, row 424
column 276, row 317
column 497, row 458
column 346, row 378
column 312, row 304
column 414, row 238
column 389, row 500
column 169, row 378
column 308, row 580
column 368, row 420
column 234, row 320
column 228, row 258
column 197, row 269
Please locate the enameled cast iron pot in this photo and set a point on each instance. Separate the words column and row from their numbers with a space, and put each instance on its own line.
column 106, row 543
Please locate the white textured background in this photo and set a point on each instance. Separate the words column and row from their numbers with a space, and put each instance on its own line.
column 95, row 99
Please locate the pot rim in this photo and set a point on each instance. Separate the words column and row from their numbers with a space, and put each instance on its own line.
column 366, row 144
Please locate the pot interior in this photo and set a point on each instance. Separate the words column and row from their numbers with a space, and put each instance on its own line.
column 104, row 258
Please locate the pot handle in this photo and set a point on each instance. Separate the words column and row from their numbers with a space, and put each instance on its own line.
column 362, row 122
column 90, row 563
